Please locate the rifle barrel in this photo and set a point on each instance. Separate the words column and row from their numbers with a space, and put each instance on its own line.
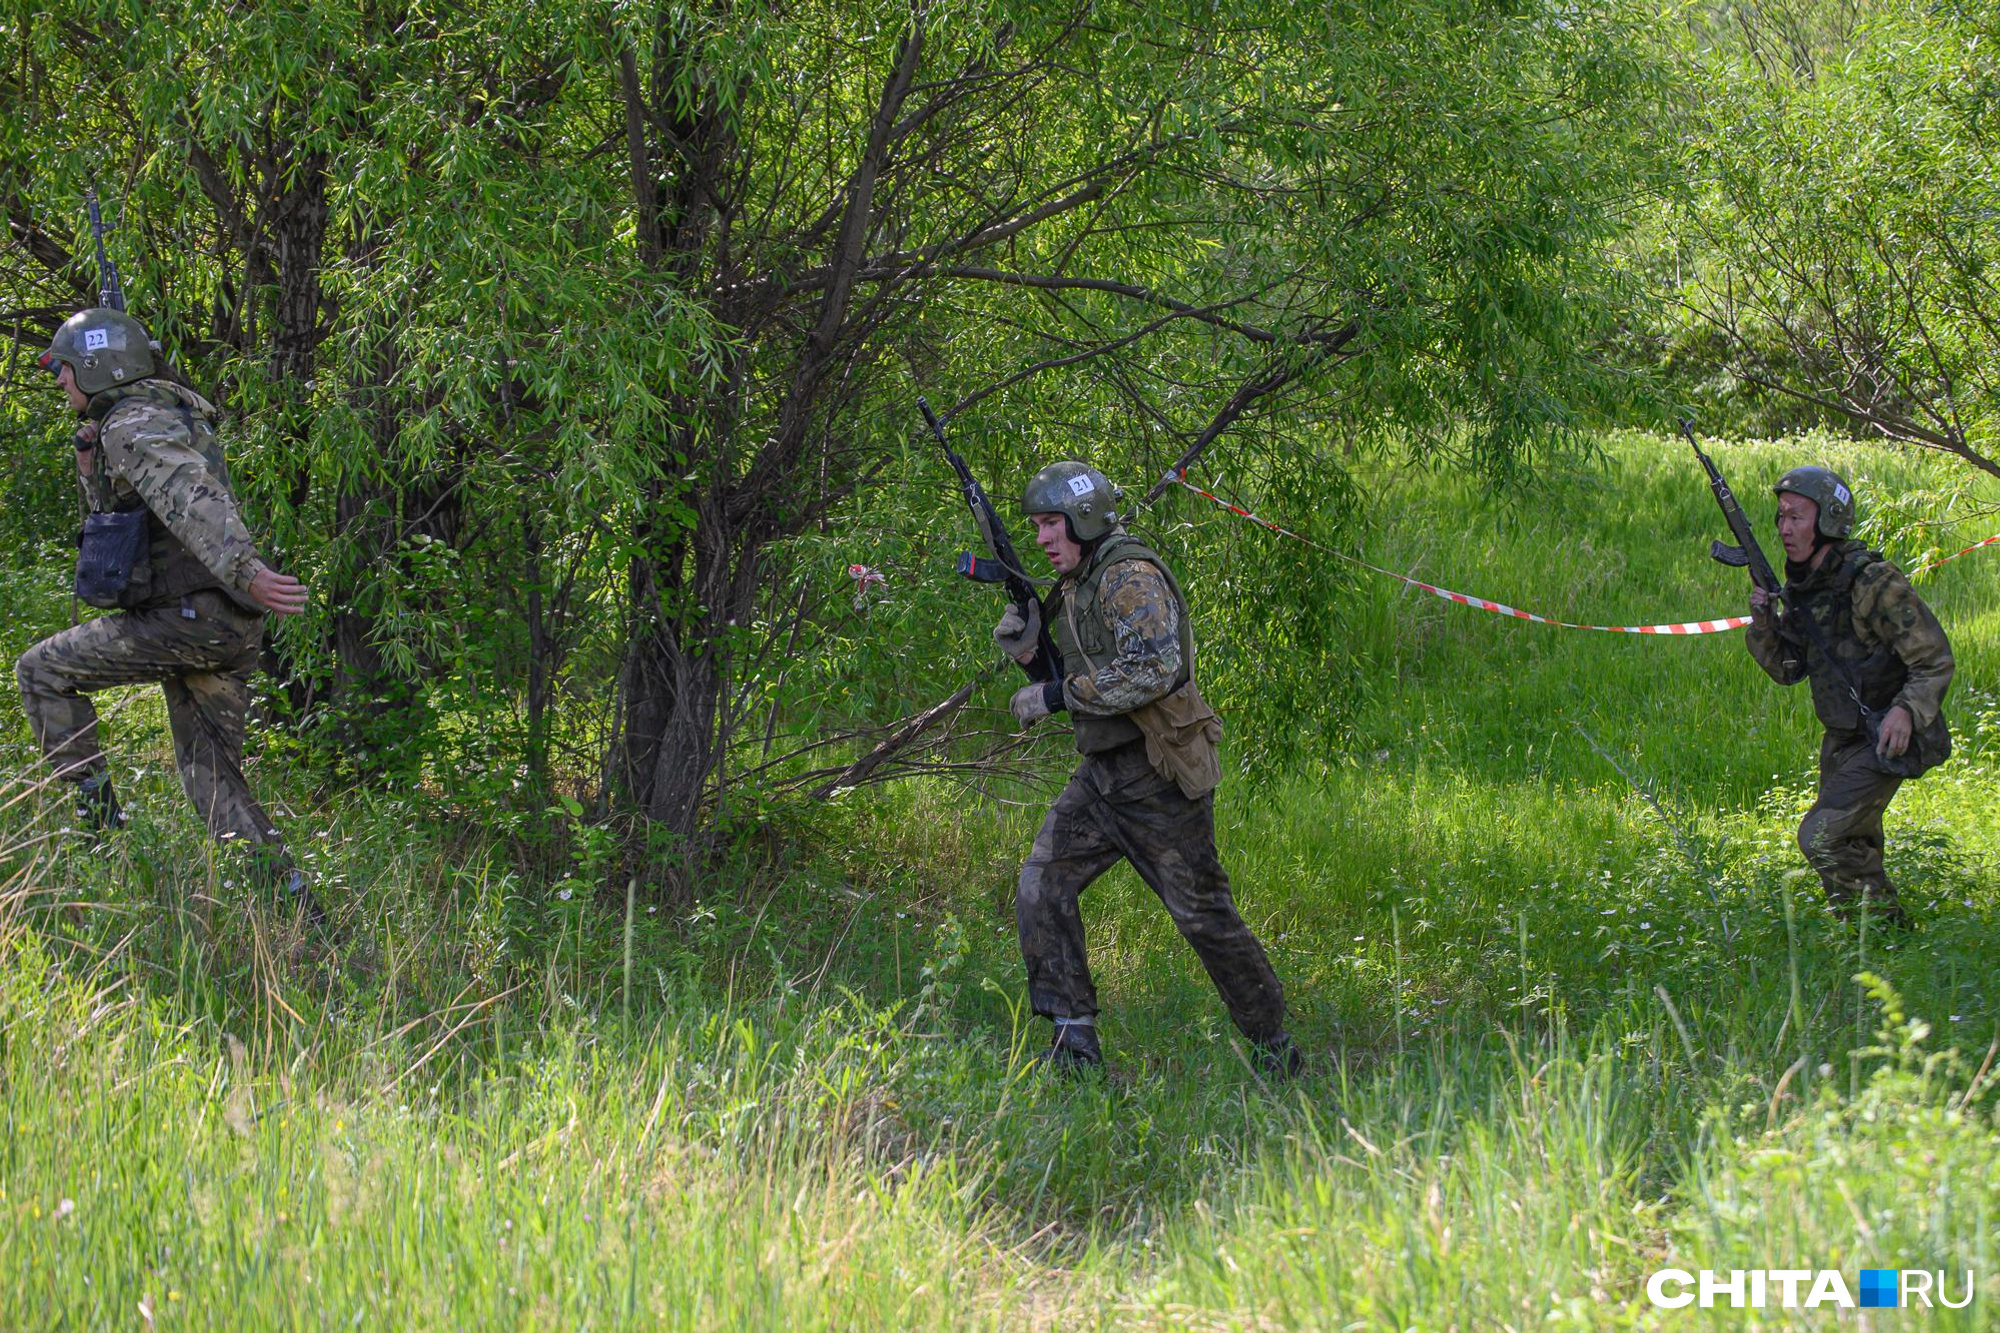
column 110, row 292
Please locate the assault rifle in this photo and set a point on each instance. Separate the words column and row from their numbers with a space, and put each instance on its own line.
column 110, row 291
column 1005, row 566
column 1746, row 552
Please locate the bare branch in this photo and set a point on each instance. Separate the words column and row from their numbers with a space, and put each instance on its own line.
column 1276, row 376
column 857, row 772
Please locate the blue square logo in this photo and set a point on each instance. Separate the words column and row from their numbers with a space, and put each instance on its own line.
column 1878, row 1288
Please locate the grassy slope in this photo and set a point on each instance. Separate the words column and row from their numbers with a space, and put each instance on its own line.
column 1553, row 1053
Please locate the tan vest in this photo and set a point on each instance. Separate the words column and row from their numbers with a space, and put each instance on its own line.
column 1180, row 730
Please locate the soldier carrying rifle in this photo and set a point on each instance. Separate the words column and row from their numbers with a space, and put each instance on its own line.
column 1879, row 664
column 1144, row 789
column 164, row 547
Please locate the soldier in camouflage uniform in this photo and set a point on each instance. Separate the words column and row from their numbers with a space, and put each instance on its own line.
column 191, row 615
column 1144, row 789
column 1863, row 612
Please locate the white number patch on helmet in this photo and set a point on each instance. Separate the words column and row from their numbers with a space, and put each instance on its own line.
column 1841, row 493
column 1081, row 485
column 96, row 340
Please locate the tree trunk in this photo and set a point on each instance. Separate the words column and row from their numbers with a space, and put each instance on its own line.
column 284, row 254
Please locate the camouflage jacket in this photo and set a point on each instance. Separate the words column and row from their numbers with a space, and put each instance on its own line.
column 1874, row 622
column 157, row 449
column 1121, row 625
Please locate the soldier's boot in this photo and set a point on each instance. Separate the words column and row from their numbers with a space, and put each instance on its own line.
column 298, row 892
column 1279, row 1056
column 270, row 868
column 1886, row 911
column 97, row 807
column 321, row 943
column 1074, row 1047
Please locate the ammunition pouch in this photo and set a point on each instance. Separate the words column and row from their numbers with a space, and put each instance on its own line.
column 1084, row 640
column 112, row 565
column 1929, row 746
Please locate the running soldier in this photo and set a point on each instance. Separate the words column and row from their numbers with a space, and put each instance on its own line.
column 1144, row 790
column 166, row 546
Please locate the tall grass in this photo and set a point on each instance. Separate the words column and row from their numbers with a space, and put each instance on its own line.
column 1574, row 1010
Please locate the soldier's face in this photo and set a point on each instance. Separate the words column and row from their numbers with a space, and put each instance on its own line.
column 1797, row 518
column 1052, row 535
column 67, row 378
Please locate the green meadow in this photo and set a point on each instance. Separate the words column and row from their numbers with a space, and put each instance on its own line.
column 1574, row 1010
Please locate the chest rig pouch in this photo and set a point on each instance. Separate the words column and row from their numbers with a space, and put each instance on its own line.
column 112, row 565
column 127, row 557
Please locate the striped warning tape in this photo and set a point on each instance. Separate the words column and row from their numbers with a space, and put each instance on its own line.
column 1466, row 599
column 1994, row 540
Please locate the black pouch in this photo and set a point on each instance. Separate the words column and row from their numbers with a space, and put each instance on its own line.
column 1929, row 746
column 111, row 565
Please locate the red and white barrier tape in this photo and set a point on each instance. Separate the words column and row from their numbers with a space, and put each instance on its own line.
column 1465, row 599
column 1994, row 540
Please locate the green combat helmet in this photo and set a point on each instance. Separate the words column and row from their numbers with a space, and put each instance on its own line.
column 1080, row 493
column 1824, row 488
column 103, row 348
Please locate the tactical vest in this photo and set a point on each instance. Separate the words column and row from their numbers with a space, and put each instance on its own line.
column 1087, row 641
column 1829, row 600
column 171, row 571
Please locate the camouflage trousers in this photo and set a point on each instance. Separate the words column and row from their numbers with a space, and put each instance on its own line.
column 1117, row 808
column 203, row 664
column 1841, row 835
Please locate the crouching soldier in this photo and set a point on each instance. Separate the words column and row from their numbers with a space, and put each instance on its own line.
column 165, row 545
column 1144, row 791
column 1879, row 665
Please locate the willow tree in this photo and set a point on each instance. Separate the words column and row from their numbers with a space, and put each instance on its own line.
column 1152, row 223
column 1837, row 239
column 641, row 295
column 226, row 140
